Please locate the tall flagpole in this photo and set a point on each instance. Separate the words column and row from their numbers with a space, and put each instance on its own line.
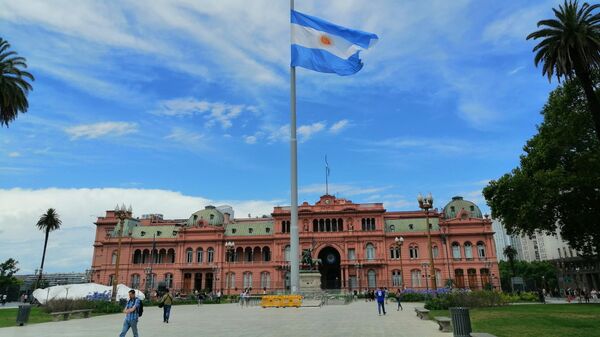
column 294, row 238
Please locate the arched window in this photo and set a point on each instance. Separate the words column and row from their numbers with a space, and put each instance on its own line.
column 438, row 278
column 396, row 278
column 265, row 280
column 114, row 257
column 370, row 251
column 266, row 254
column 247, row 279
column 155, row 256
column 315, row 225
column 210, row 255
column 468, row 251
column 371, row 278
column 230, row 281
column 286, row 253
column 481, row 249
column 334, row 225
column 162, row 255
column 248, row 254
column 321, row 225
column 459, row 275
column 456, row 250
column 171, row 255
column 327, row 225
column 394, row 252
column 135, row 281
column 340, row 224
column 169, row 280
column 199, row 255
column 137, row 256
column 239, row 254
column 472, row 275
column 435, row 251
column 413, row 251
column 189, row 255
column 415, row 278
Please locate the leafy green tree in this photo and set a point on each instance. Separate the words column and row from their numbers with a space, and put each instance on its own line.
column 48, row 222
column 557, row 185
column 536, row 274
column 511, row 255
column 570, row 45
column 9, row 284
column 13, row 84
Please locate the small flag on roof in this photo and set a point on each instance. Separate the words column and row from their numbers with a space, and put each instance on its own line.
column 326, row 47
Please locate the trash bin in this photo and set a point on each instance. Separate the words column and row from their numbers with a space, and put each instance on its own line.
column 23, row 314
column 461, row 321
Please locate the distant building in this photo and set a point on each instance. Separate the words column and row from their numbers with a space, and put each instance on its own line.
column 52, row 279
column 502, row 239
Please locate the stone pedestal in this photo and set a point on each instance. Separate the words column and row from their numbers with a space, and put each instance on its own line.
column 310, row 281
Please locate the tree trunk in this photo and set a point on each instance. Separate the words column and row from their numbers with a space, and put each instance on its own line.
column 593, row 102
column 43, row 257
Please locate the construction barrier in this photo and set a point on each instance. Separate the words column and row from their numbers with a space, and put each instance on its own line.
column 281, row 301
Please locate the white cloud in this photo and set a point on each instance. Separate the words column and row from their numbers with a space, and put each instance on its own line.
column 96, row 130
column 344, row 190
column 337, row 127
column 250, row 139
column 14, row 154
column 515, row 70
column 517, row 25
column 214, row 112
column 70, row 248
column 307, row 131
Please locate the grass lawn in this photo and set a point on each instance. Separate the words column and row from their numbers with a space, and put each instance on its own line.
column 8, row 317
column 534, row 320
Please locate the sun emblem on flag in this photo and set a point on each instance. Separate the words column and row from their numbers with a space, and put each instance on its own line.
column 325, row 40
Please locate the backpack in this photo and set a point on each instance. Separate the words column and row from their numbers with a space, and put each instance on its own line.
column 140, row 309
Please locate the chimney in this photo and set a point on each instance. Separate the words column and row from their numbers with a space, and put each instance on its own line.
column 226, row 217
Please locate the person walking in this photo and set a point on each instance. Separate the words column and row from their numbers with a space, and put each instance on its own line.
column 131, row 312
column 398, row 298
column 219, row 294
column 167, row 302
column 380, row 295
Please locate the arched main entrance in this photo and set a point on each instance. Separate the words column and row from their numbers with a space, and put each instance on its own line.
column 331, row 276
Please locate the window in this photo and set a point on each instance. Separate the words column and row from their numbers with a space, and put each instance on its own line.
column 210, row 255
column 396, row 278
column 135, row 281
column 468, row 251
column 370, row 251
column 394, row 252
column 265, row 280
column 230, row 281
column 438, row 278
column 481, row 250
column 111, row 279
column 250, row 230
column 368, row 224
column 247, row 279
column 268, row 230
column 137, row 256
column 212, row 216
column 285, row 226
column 286, row 253
column 371, row 278
column 415, row 278
column 233, row 230
column 199, row 255
column 189, row 255
column 456, row 250
column 142, row 233
column 169, row 280
column 459, row 275
column 413, row 251
column 472, row 208
column 158, row 233
column 248, row 253
column 351, row 254
column 411, row 226
column 392, row 228
column 114, row 257
column 266, row 254
column 435, row 251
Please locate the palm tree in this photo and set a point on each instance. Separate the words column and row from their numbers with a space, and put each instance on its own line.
column 571, row 46
column 511, row 254
column 48, row 222
column 13, row 84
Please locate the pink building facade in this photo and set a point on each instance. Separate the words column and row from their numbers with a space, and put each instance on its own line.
column 355, row 242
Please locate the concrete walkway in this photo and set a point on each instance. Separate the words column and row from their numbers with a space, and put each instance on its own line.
column 225, row 320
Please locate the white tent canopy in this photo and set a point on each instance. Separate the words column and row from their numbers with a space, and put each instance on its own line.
column 82, row 291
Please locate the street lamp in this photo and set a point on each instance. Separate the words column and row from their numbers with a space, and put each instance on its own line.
column 230, row 247
column 399, row 242
column 122, row 214
column 425, row 203
column 149, row 281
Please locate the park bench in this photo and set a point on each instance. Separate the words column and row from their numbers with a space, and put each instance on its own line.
column 443, row 322
column 481, row 334
column 422, row 313
column 85, row 313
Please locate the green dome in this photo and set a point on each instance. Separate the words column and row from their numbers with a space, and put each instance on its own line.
column 210, row 215
column 457, row 204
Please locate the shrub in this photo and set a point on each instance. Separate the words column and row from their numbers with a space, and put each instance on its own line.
column 58, row 305
column 471, row 299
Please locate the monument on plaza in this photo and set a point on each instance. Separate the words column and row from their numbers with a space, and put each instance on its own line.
column 310, row 277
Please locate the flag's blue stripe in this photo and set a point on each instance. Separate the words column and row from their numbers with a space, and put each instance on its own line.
column 357, row 37
column 324, row 61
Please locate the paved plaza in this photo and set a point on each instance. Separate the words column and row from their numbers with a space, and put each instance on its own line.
column 356, row 319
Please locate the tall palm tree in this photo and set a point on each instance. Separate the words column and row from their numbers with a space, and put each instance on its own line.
column 13, row 84
column 511, row 254
column 48, row 222
column 570, row 46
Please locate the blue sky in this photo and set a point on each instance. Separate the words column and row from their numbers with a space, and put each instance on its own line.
column 189, row 100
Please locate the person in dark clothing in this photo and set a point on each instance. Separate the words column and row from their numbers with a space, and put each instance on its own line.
column 166, row 301
column 380, row 295
column 398, row 298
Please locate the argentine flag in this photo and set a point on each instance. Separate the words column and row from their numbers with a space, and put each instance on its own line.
column 326, row 47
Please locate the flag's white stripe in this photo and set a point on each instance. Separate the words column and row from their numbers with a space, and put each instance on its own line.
column 311, row 38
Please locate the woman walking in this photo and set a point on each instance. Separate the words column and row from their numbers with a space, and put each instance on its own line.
column 398, row 298
column 166, row 301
